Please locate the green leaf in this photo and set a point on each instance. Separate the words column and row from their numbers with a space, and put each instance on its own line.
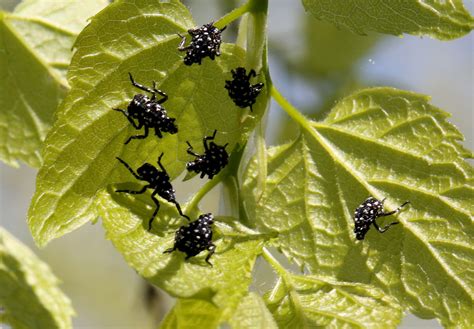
column 140, row 38
column 35, row 51
column 29, row 293
column 386, row 143
column 192, row 313
column 442, row 20
column 224, row 284
column 299, row 301
column 252, row 313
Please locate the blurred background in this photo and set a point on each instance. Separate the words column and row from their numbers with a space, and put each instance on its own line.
column 313, row 64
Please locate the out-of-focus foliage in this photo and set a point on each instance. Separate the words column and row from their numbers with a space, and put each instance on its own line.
column 442, row 20
column 29, row 293
column 35, row 51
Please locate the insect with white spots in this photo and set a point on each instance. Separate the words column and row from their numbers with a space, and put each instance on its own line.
column 195, row 237
column 205, row 42
column 242, row 93
column 148, row 113
column 214, row 159
column 368, row 212
column 158, row 181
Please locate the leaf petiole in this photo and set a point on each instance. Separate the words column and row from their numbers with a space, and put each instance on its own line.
column 275, row 264
column 234, row 14
column 290, row 109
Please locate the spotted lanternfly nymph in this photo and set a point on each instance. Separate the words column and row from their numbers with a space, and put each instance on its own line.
column 158, row 181
column 195, row 237
column 205, row 42
column 368, row 212
column 240, row 90
column 148, row 112
column 210, row 163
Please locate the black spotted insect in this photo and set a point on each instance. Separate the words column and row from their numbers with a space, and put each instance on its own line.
column 148, row 112
column 368, row 212
column 214, row 159
column 158, row 181
column 240, row 90
column 195, row 237
column 205, row 42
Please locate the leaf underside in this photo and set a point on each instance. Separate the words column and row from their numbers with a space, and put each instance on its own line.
column 381, row 142
column 385, row 143
column 29, row 293
column 307, row 302
column 444, row 20
column 88, row 135
column 225, row 283
column 35, row 51
column 192, row 313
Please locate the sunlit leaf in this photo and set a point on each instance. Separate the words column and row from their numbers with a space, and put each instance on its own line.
column 88, row 135
column 225, row 283
column 299, row 301
column 252, row 313
column 35, row 51
column 388, row 144
column 192, row 313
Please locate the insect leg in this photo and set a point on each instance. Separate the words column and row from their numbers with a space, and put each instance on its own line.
column 159, row 163
column 142, row 87
column 181, row 44
column 157, row 203
column 190, row 150
column 385, row 228
column 129, row 168
column 129, row 118
column 145, row 135
column 395, row 211
column 212, row 250
column 208, row 138
column 169, row 250
column 143, row 190
column 158, row 132
column 178, row 207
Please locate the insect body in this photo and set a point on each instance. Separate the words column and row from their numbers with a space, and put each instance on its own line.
column 240, row 90
column 195, row 237
column 158, row 181
column 148, row 112
column 367, row 213
column 210, row 163
column 205, row 42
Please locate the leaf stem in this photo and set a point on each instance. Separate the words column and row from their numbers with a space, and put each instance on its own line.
column 290, row 109
column 234, row 14
column 274, row 263
column 201, row 193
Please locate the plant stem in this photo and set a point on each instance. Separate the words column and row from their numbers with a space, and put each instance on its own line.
column 202, row 192
column 233, row 15
column 290, row 109
column 275, row 264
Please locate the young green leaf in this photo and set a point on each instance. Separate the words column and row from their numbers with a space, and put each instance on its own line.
column 442, row 20
column 225, row 283
column 299, row 301
column 88, row 135
column 252, row 313
column 29, row 293
column 191, row 314
column 35, row 51
column 385, row 143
